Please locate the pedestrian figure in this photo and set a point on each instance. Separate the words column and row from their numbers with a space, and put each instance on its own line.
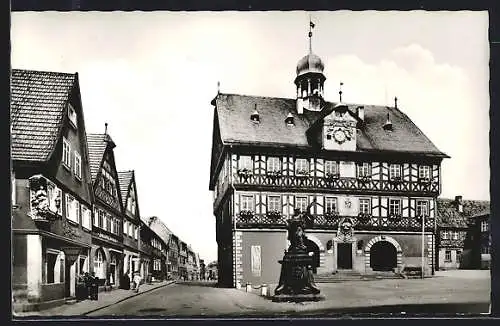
column 94, row 287
column 137, row 280
column 87, row 280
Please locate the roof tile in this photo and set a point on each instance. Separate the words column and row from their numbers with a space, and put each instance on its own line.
column 38, row 100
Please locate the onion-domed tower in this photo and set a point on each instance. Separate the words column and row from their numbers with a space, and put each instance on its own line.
column 310, row 80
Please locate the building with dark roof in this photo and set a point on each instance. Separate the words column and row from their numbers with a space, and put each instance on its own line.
column 131, row 224
column 51, row 188
column 107, row 232
column 161, row 262
column 367, row 174
column 462, row 233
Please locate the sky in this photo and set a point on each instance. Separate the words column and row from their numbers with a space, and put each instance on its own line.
column 151, row 77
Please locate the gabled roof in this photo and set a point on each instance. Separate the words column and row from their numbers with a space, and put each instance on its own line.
column 97, row 144
column 125, row 178
column 236, row 127
column 449, row 216
column 38, row 102
column 159, row 228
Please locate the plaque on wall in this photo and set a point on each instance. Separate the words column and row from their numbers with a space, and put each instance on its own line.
column 256, row 261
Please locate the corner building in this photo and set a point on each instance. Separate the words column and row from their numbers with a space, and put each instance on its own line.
column 366, row 173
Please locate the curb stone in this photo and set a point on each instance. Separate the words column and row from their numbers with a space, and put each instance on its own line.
column 126, row 298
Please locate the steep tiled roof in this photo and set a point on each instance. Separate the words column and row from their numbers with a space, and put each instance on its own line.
column 236, row 127
column 449, row 216
column 97, row 146
column 159, row 228
column 124, row 178
column 38, row 100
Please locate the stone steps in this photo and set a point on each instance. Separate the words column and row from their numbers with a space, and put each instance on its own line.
column 343, row 276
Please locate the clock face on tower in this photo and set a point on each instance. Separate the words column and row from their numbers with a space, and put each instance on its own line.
column 340, row 134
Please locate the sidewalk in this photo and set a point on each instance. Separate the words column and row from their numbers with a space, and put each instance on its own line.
column 87, row 306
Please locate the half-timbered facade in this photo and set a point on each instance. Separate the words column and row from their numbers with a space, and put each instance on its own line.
column 161, row 246
column 51, row 188
column 146, row 250
column 107, row 232
column 367, row 174
column 131, row 223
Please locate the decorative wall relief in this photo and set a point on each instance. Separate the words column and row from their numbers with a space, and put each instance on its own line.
column 45, row 198
column 346, row 229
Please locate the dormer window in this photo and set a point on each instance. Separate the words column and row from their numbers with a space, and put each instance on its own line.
column 255, row 116
column 289, row 120
column 72, row 115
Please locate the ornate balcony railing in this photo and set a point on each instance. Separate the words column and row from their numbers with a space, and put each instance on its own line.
column 335, row 183
column 330, row 222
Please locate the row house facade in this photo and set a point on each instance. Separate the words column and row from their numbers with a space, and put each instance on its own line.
column 72, row 211
column 174, row 257
column 107, row 232
column 367, row 175
column 161, row 265
column 131, row 224
column 183, row 260
column 51, row 188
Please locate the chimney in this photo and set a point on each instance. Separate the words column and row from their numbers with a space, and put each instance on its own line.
column 388, row 123
column 105, row 128
column 361, row 112
column 459, row 203
column 396, row 102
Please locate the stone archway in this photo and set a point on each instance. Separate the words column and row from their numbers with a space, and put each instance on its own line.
column 381, row 249
column 321, row 257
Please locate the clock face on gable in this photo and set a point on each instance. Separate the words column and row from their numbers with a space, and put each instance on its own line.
column 339, row 134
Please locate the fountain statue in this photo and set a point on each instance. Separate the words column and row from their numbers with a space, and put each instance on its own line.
column 296, row 281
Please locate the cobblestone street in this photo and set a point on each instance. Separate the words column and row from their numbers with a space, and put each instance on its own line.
column 460, row 289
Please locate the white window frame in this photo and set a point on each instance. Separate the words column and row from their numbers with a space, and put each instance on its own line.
column 446, row 235
column 136, row 232
column 273, row 164
column 365, row 205
column 484, row 226
column 331, row 167
column 78, row 166
column 99, row 262
column 96, row 216
column 274, row 203
column 301, row 203
column 125, row 227
column 424, row 172
column 245, row 162
column 331, row 205
column 73, row 118
column 454, row 235
column 301, row 164
column 394, row 171
column 131, row 230
column 72, row 208
column 419, row 205
column 364, row 169
column 392, row 206
column 247, row 203
column 66, row 156
column 86, row 217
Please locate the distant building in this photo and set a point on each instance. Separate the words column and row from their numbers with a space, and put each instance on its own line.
column 183, row 260
column 212, row 271
column 160, row 263
column 202, row 270
column 459, row 237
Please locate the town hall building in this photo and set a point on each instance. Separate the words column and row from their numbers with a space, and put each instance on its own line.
column 366, row 173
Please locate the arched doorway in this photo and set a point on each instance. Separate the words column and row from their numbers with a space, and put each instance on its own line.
column 313, row 247
column 383, row 256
